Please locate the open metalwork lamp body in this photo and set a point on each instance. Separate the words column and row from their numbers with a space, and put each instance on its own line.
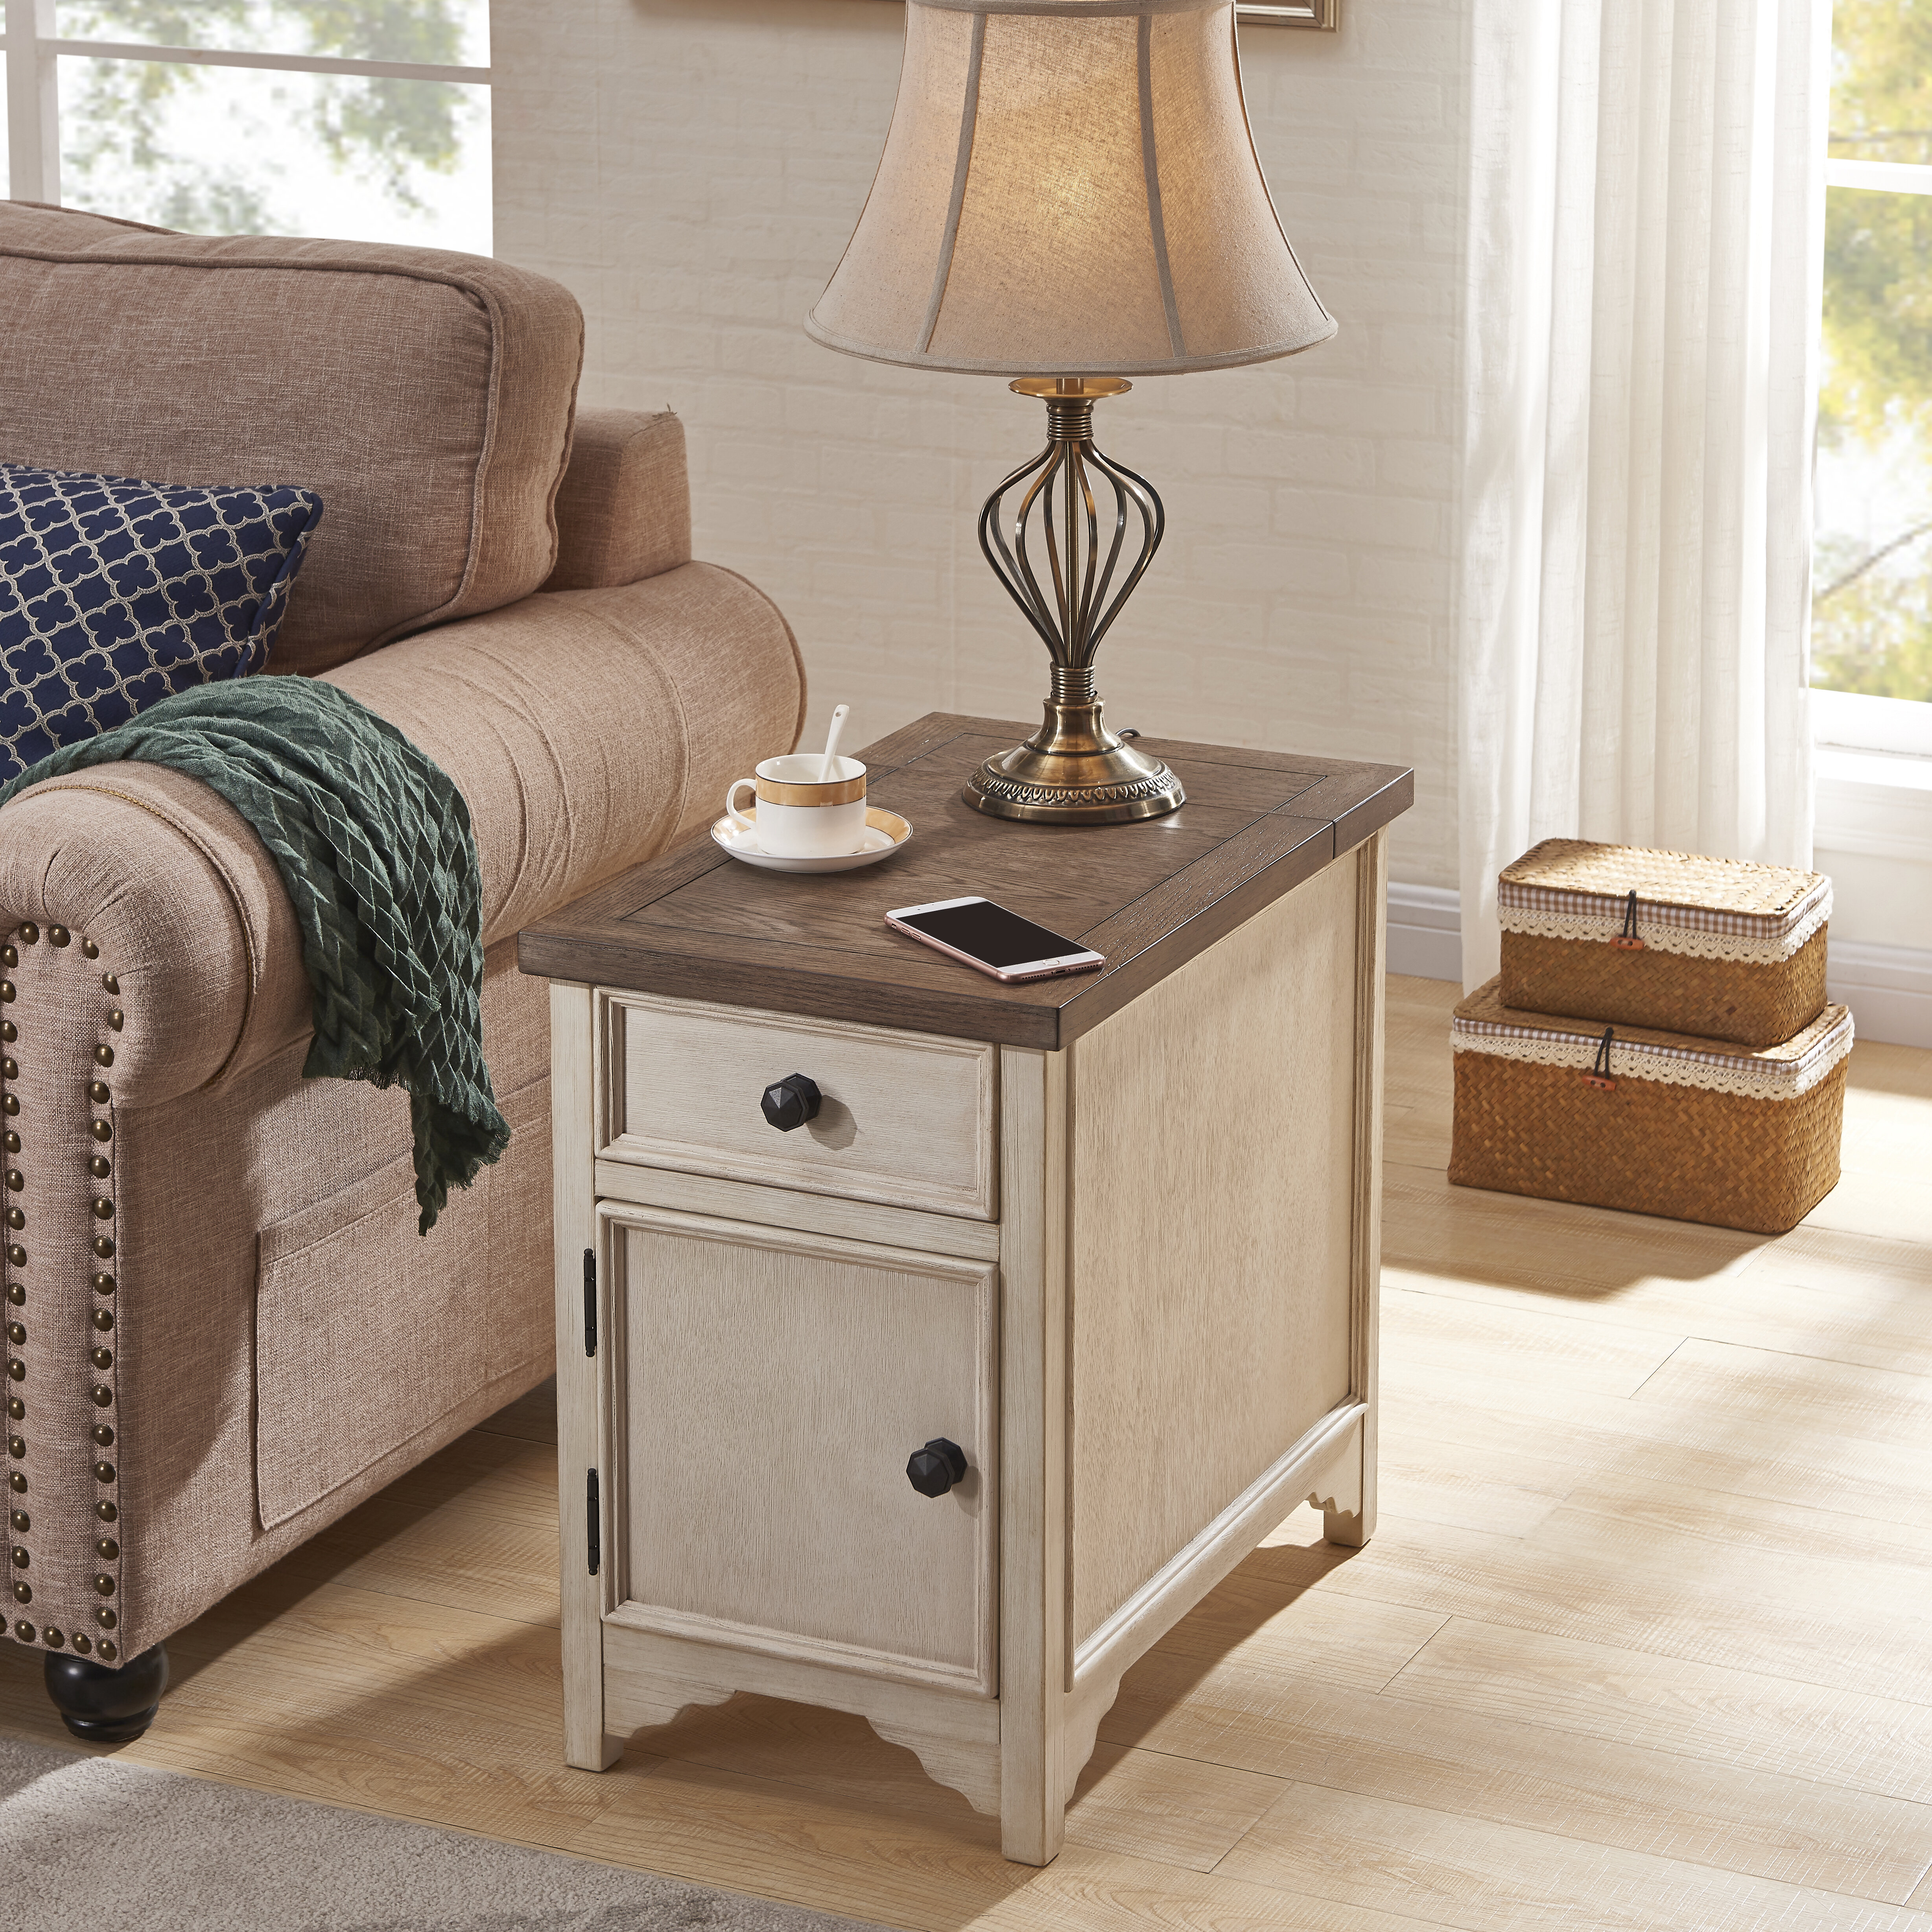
column 1068, row 195
column 1073, row 770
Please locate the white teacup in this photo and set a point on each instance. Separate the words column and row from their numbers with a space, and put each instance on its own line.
column 800, row 815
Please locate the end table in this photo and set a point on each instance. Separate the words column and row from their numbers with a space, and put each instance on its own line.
column 942, row 1407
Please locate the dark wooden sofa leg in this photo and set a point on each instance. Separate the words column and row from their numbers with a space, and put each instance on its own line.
column 102, row 1705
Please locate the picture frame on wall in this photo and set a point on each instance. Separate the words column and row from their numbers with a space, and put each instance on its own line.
column 1319, row 14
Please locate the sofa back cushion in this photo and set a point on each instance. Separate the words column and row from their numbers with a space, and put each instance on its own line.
column 425, row 397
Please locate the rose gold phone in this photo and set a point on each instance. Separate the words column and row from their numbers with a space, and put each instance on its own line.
column 978, row 933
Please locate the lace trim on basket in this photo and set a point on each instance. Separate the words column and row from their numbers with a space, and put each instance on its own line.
column 1660, row 934
column 1745, row 1076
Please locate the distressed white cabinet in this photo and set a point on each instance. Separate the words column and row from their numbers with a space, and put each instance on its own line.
column 1114, row 1239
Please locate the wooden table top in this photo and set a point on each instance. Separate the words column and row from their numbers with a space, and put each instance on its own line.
column 697, row 925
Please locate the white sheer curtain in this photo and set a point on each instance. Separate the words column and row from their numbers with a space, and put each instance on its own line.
column 1645, row 211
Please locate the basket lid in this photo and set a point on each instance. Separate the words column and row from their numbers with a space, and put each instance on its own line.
column 1482, row 1024
column 1685, row 902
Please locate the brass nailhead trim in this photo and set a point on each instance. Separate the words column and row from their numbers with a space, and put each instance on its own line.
column 102, row 1434
column 103, row 1247
column 103, row 1359
column 24, row 1631
column 82, row 1643
column 106, row 1619
column 22, row 1521
column 9, row 1032
column 108, row 1652
column 103, row 1130
column 55, row 1638
column 103, row 1284
column 100, row 1166
column 103, row 1208
column 16, row 1219
column 103, row 1319
column 116, row 1018
column 104, row 1472
column 104, row 1055
column 106, row 1511
column 103, row 1584
column 97, row 1092
column 17, row 1254
column 10, row 956
column 103, row 1397
column 17, row 1408
column 59, row 935
column 30, row 932
column 88, row 947
column 107, row 1549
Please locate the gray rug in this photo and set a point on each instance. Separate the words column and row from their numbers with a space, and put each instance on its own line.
column 85, row 1842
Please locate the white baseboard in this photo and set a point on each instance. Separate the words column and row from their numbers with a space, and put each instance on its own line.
column 1425, row 932
column 1888, row 987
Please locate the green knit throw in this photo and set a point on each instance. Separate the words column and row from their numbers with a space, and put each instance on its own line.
column 373, row 844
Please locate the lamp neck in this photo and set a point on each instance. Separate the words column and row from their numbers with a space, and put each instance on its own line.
column 1070, row 402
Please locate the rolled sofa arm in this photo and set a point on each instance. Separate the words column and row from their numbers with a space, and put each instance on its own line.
column 588, row 729
column 147, row 949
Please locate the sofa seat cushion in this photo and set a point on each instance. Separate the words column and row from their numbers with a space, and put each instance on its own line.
column 115, row 593
column 425, row 396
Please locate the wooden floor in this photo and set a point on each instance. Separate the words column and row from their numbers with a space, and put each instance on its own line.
column 1645, row 1640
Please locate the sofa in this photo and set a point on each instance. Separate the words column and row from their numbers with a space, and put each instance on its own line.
column 224, row 1329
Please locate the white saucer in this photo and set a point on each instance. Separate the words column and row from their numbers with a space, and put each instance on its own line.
column 885, row 832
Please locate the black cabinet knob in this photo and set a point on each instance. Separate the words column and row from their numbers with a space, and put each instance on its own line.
column 791, row 1102
column 933, row 1470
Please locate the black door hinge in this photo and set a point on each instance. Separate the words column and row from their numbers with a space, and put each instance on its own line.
column 593, row 1528
column 590, row 1301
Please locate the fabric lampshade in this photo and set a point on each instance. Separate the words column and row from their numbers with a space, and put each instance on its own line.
column 1069, row 188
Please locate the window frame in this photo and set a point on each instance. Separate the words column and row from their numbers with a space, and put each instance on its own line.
column 33, row 51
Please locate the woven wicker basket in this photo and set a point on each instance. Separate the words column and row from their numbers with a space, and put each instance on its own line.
column 1712, row 947
column 1693, row 1129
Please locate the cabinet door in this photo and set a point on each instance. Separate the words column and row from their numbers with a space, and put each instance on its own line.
column 770, row 1387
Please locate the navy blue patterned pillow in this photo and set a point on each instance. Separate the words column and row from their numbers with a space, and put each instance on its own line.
column 115, row 594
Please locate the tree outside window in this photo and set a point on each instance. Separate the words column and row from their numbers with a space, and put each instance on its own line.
column 228, row 150
column 1872, row 564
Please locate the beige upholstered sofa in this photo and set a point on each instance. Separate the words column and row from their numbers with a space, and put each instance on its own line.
column 268, row 1340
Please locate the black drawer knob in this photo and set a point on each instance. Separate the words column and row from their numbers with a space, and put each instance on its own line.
column 933, row 1470
column 791, row 1102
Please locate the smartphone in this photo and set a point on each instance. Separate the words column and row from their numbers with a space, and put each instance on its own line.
column 996, row 941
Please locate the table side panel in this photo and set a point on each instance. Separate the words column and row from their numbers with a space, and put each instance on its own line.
column 1213, row 1211
column 775, row 1383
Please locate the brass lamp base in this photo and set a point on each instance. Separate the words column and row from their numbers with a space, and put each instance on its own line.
column 1072, row 770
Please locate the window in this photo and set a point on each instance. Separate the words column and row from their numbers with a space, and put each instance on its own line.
column 1872, row 562
column 363, row 119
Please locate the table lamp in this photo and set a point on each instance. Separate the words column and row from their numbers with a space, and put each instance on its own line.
column 1069, row 196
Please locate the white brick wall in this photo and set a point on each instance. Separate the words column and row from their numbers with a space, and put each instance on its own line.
column 692, row 173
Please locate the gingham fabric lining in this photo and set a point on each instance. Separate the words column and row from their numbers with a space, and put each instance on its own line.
column 1664, row 928
column 1483, row 1024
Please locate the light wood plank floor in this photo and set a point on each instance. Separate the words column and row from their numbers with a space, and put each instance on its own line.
column 1645, row 1640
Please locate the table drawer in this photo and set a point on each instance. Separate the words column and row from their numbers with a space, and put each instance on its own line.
column 771, row 1386
column 906, row 1118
